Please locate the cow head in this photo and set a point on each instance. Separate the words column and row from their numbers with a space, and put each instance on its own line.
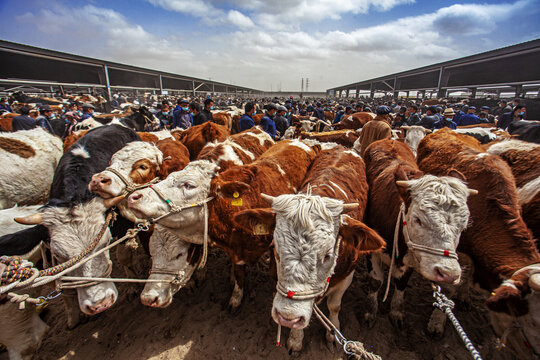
column 306, row 247
column 71, row 230
column 185, row 187
column 413, row 136
column 436, row 214
column 174, row 261
column 138, row 162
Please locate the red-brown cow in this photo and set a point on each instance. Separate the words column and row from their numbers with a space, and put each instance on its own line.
column 498, row 241
column 354, row 121
column 430, row 213
column 312, row 243
column 281, row 169
column 196, row 137
column 342, row 137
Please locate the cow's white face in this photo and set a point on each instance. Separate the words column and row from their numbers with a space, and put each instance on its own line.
column 436, row 216
column 172, row 259
column 414, row 134
column 71, row 230
column 304, row 238
column 138, row 162
column 185, row 187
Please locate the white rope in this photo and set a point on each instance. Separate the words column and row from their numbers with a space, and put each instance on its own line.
column 395, row 248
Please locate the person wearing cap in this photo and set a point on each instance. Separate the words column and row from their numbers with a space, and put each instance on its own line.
column 484, row 117
column 45, row 118
column 23, row 121
column 4, row 105
column 88, row 111
column 468, row 119
column 459, row 111
column 376, row 129
column 181, row 116
column 280, row 120
column 447, row 121
column 246, row 121
column 400, row 119
column 267, row 122
column 198, row 117
column 165, row 116
column 430, row 119
column 318, row 112
column 339, row 114
column 517, row 114
column 288, row 115
column 208, row 106
column 413, row 115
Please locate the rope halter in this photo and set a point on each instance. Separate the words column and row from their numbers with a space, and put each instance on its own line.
column 174, row 209
column 130, row 185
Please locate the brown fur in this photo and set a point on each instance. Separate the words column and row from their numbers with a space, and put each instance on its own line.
column 179, row 157
column 6, row 121
column 17, row 147
column 386, row 162
column 329, row 115
column 72, row 139
column 197, row 136
column 257, row 118
column 343, row 137
column 223, row 118
column 481, row 125
column 148, row 137
column 359, row 119
column 497, row 240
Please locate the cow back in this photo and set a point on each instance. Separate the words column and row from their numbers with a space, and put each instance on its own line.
column 197, row 136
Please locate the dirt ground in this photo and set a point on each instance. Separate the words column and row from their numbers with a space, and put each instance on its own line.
column 197, row 326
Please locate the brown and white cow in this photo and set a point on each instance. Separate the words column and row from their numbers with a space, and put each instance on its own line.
column 498, row 241
column 196, row 137
column 280, row 169
column 27, row 153
column 354, row 121
column 413, row 135
column 314, row 245
column 524, row 160
column 345, row 137
column 434, row 212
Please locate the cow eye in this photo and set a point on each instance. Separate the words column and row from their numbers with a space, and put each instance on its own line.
column 417, row 220
column 188, row 186
column 143, row 167
column 327, row 257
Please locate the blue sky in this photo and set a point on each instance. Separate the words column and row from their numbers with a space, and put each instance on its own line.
column 272, row 44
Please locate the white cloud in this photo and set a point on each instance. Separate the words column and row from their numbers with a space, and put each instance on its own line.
column 239, row 19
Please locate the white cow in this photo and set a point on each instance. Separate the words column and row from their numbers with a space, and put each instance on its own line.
column 414, row 134
column 30, row 158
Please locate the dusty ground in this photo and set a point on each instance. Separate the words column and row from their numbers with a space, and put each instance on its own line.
column 196, row 326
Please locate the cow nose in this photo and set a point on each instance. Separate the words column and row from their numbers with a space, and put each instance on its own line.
column 289, row 321
column 149, row 300
column 105, row 180
column 442, row 275
column 133, row 198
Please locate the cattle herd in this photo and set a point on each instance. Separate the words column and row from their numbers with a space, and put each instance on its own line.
column 308, row 205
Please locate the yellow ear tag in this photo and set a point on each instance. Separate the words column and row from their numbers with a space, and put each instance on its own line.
column 237, row 201
column 260, row 229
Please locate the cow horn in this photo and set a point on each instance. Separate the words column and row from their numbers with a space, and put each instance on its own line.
column 405, row 127
column 473, row 192
column 402, row 183
column 428, row 131
column 350, row 207
column 268, row 198
column 534, row 281
column 34, row 219
column 113, row 201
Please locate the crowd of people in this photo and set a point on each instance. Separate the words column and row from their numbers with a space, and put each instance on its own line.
column 277, row 113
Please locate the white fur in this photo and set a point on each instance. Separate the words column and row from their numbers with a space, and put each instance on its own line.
column 480, row 131
column 27, row 181
column 353, row 153
column 336, row 186
column 415, row 133
column 511, row 144
column 163, row 134
column 89, row 123
column 80, row 151
column 8, row 225
column 262, row 136
column 301, row 145
column 289, row 133
column 528, row 191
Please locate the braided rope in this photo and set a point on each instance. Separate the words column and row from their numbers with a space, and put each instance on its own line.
column 130, row 185
column 446, row 305
column 16, row 269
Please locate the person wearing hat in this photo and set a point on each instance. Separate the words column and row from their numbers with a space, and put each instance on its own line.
column 88, row 111
column 318, row 112
column 181, row 116
column 45, row 120
column 281, row 121
column 208, row 106
column 23, row 121
column 468, row 119
column 246, row 121
column 430, row 119
column 447, row 121
column 267, row 121
column 376, row 129
column 484, row 117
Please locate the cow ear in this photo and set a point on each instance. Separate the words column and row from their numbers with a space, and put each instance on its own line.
column 456, row 174
column 508, row 299
column 256, row 221
column 234, row 189
column 364, row 238
column 402, row 185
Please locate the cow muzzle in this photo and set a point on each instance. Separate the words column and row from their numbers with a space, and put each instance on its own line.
column 292, row 322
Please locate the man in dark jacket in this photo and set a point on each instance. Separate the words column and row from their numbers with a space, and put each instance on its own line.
column 165, row 117
column 246, row 121
column 430, row 119
column 516, row 115
column 199, row 118
column 267, row 122
column 88, row 111
column 208, row 105
column 468, row 119
column 181, row 116
column 447, row 121
column 318, row 112
column 23, row 121
column 281, row 121
column 412, row 115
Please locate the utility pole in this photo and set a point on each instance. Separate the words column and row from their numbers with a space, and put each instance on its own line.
column 302, row 89
column 307, row 84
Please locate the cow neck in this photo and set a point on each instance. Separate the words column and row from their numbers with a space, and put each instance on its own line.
column 130, row 185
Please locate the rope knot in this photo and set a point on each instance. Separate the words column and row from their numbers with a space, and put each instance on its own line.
column 16, row 269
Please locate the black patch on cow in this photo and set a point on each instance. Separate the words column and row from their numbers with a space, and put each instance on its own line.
column 21, row 242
